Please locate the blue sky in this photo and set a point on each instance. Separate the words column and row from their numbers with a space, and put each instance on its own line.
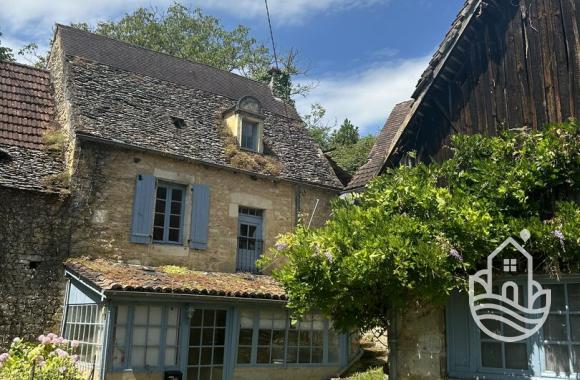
column 363, row 55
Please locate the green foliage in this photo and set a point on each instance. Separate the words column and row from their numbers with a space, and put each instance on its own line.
column 317, row 128
column 5, row 53
column 347, row 134
column 52, row 358
column 351, row 157
column 416, row 233
column 372, row 374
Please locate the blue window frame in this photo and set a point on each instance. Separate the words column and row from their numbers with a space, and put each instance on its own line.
column 268, row 338
column 250, row 242
column 250, row 135
column 168, row 215
column 146, row 337
column 552, row 353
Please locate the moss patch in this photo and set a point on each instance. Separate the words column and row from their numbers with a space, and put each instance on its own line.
column 173, row 269
column 55, row 140
column 246, row 160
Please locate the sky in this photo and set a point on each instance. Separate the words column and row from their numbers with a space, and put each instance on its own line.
column 363, row 56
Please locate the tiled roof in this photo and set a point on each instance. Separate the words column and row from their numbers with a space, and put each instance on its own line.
column 26, row 113
column 124, row 94
column 180, row 71
column 384, row 141
column 26, row 105
column 113, row 276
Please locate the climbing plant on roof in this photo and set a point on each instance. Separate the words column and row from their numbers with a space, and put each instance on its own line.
column 416, row 233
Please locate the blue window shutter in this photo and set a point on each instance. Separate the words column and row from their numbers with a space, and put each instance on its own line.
column 199, row 217
column 143, row 208
column 459, row 339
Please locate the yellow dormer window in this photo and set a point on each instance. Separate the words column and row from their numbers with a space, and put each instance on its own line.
column 246, row 123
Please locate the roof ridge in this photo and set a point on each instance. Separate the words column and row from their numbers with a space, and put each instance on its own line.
column 30, row 67
column 160, row 52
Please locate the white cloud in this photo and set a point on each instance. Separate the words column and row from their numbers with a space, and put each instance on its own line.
column 367, row 96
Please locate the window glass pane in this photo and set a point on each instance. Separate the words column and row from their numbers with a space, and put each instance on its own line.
column 278, row 337
column 159, row 220
column 555, row 328
column 170, row 356
column 492, row 325
column 263, row 355
column 292, row 337
column 155, row 315
column 244, row 355
column 292, row 356
column 206, row 356
column 557, row 358
column 317, row 338
column 516, row 356
column 218, row 355
column 220, row 318
column 138, row 357
column 157, row 233
column 245, row 336
column 140, row 317
column 173, row 235
column 207, row 337
column 264, row 337
column 122, row 312
column 574, row 297
column 196, row 318
column 172, row 316
column 160, row 206
column 174, row 221
column 193, row 373
column 193, row 358
column 305, row 338
column 161, row 192
column 304, row 355
column 208, row 317
column 219, row 338
column 120, row 334
column 154, row 336
column 176, row 195
column 491, row 355
column 139, row 335
column 195, row 337
column 317, row 355
column 171, row 337
column 118, row 356
column 152, row 357
column 277, row 355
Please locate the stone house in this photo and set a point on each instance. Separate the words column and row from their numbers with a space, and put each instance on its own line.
column 158, row 183
column 502, row 65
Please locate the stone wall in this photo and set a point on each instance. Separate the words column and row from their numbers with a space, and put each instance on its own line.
column 420, row 344
column 34, row 240
column 106, row 176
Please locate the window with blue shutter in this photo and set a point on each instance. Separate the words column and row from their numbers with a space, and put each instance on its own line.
column 143, row 205
column 199, row 217
column 168, row 219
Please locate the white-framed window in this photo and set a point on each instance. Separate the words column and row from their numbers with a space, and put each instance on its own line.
column 85, row 324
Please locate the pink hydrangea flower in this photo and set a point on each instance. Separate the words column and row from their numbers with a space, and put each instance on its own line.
column 62, row 369
column 61, row 353
column 74, row 343
column 4, row 357
column 75, row 358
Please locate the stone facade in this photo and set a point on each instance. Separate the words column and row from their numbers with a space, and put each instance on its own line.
column 33, row 243
column 420, row 345
column 106, row 175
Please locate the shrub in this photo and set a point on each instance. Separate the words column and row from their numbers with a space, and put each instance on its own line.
column 52, row 358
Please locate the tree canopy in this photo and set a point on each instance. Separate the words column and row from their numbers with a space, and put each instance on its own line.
column 346, row 134
column 5, row 52
column 416, row 233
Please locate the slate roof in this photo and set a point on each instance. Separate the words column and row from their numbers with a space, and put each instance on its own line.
column 382, row 145
column 26, row 113
column 113, row 276
column 126, row 94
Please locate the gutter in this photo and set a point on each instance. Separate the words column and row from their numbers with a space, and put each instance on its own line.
column 84, row 136
column 122, row 294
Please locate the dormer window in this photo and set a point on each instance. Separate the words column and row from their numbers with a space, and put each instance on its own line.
column 250, row 134
column 246, row 122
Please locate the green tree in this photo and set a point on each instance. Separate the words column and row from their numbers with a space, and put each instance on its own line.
column 351, row 157
column 347, row 134
column 5, row 52
column 416, row 233
column 317, row 127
